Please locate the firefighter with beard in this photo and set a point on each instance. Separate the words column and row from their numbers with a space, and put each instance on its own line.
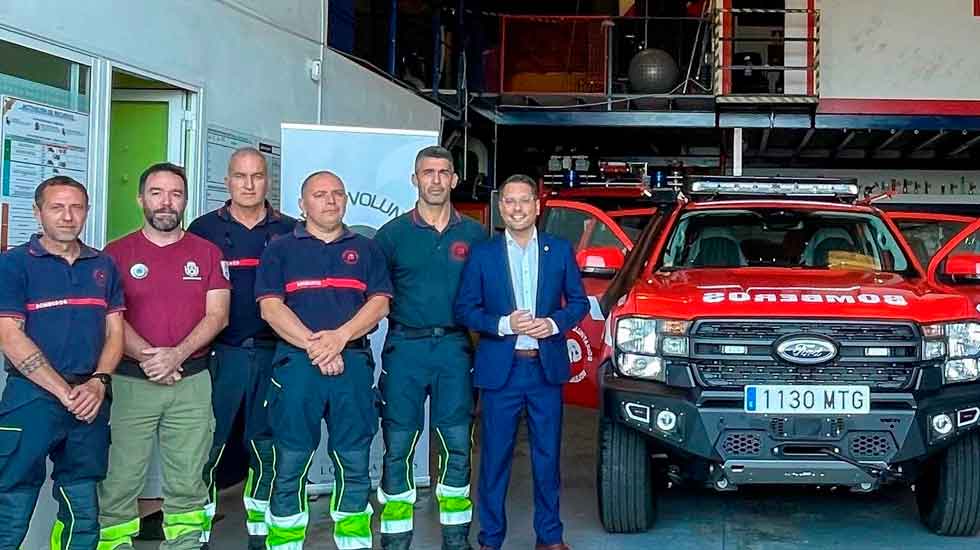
column 177, row 300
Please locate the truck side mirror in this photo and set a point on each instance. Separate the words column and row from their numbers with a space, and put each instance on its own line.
column 963, row 265
column 600, row 261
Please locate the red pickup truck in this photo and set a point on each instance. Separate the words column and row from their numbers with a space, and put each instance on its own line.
column 775, row 331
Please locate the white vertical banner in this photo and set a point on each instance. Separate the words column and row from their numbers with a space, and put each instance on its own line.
column 375, row 165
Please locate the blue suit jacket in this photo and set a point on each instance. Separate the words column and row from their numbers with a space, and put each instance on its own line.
column 486, row 294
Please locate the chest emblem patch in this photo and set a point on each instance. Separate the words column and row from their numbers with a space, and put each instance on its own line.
column 459, row 250
column 191, row 271
column 350, row 256
column 139, row 271
column 100, row 277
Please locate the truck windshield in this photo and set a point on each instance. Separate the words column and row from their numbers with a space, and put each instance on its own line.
column 783, row 238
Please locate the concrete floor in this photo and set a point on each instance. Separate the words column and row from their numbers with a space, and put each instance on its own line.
column 757, row 519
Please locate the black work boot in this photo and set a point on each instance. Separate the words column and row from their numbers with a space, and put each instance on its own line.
column 456, row 537
column 256, row 542
column 396, row 541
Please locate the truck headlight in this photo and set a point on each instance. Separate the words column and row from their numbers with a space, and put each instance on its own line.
column 960, row 370
column 963, row 340
column 642, row 366
column 637, row 335
column 933, row 349
column 960, row 344
column 642, row 342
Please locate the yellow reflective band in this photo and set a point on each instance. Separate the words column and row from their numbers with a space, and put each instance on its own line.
column 259, row 458
column 272, row 482
column 444, row 470
column 178, row 525
column 408, row 462
column 335, row 503
column 70, row 513
column 56, row 532
column 303, row 504
column 117, row 535
column 212, row 486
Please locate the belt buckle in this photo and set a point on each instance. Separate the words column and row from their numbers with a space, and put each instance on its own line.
column 438, row 332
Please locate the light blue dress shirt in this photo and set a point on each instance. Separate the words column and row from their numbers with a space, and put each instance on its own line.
column 523, row 264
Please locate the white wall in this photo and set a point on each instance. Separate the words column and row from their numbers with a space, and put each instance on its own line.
column 254, row 74
column 899, row 49
column 346, row 103
column 251, row 57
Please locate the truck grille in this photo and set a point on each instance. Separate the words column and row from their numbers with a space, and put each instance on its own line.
column 892, row 365
column 871, row 445
column 742, row 444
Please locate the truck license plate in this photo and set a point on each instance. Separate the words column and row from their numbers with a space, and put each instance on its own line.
column 790, row 399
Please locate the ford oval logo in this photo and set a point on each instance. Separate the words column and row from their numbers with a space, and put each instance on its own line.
column 806, row 351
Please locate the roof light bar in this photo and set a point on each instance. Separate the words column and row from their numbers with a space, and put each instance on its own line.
column 784, row 189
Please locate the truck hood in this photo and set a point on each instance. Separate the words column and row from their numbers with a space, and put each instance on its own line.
column 780, row 292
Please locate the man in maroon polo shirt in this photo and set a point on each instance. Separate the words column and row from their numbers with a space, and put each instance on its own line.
column 178, row 299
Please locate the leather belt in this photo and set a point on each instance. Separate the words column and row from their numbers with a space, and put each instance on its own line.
column 360, row 344
column 130, row 367
column 413, row 333
column 257, row 343
column 526, row 352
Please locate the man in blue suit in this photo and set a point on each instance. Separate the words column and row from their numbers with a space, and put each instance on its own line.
column 512, row 292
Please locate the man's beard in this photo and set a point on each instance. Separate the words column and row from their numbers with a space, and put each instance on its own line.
column 167, row 224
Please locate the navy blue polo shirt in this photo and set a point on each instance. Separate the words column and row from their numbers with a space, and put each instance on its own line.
column 242, row 249
column 324, row 284
column 426, row 266
column 63, row 305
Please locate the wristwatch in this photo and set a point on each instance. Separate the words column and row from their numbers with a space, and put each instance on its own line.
column 106, row 379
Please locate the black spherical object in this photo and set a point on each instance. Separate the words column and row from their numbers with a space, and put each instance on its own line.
column 653, row 71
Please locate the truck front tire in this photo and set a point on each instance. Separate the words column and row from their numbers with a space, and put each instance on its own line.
column 948, row 491
column 625, row 483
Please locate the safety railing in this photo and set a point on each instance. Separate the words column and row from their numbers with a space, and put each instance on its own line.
column 602, row 56
column 607, row 62
column 781, row 67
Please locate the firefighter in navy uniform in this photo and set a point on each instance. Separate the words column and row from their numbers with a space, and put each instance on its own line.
column 322, row 288
column 427, row 354
column 242, row 362
column 61, row 330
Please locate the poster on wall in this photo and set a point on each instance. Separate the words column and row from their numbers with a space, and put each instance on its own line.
column 221, row 143
column 37, row 142
column 375, row 165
